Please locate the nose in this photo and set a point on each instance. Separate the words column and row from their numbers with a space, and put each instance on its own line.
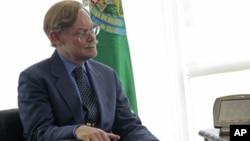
column 91, row 37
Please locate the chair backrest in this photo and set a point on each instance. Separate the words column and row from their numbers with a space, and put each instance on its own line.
column 10, row 125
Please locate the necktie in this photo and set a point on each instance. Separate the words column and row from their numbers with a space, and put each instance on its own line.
column 87, row 97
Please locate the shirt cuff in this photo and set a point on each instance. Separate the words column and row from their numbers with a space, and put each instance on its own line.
column 74, row 130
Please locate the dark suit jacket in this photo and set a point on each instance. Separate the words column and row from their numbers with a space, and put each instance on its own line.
column 50, row 107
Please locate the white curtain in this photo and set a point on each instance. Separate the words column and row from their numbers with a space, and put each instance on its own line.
column 153, row 33
column 193, row 51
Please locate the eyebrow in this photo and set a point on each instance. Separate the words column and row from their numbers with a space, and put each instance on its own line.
column 86, row 28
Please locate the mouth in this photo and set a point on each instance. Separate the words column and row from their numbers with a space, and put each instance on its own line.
column 90, row 47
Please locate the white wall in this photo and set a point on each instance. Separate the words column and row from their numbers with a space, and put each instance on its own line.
column 215, row 39
column 22, row 43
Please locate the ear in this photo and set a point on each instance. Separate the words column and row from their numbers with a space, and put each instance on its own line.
column 55, row 38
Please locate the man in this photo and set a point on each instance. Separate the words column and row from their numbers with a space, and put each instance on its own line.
column 52, row 103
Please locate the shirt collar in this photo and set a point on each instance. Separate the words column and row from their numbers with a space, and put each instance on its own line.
column 69, row 65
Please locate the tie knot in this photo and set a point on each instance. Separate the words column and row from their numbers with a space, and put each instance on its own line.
column 78, row 72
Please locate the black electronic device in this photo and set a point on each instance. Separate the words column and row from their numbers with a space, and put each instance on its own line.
column 231, row 110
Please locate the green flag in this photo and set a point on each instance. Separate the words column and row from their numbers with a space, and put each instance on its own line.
column 113, row 48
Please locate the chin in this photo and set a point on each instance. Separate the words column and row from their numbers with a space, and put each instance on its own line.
column 92, row 55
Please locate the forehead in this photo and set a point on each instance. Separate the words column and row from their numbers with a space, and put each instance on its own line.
column 83, row 20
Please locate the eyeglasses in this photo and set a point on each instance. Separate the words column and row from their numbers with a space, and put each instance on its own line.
column 85, row 33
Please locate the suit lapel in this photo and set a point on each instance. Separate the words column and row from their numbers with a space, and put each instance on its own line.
column 66, row 88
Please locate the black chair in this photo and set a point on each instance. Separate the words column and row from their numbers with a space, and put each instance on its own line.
column 10, row 125
column 11, row 128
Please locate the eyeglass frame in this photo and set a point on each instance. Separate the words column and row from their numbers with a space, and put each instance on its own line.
column 86, row 32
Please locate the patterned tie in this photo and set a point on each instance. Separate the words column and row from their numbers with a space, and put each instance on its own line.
column 87, row 97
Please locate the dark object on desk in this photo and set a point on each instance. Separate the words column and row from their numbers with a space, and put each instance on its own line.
column 231, row 110
column 213, row 135
column 10, row 126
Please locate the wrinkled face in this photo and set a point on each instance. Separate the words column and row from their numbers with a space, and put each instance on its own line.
column 78, row 43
